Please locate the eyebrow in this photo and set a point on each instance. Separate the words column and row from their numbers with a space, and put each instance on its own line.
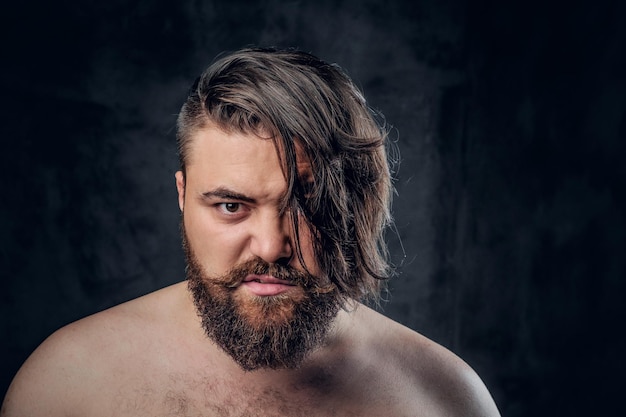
column 227, row 194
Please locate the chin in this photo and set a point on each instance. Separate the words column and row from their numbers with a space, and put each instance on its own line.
column 267, row 311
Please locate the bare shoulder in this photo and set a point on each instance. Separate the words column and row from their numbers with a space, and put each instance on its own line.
column 437, row 379
column 72, row 364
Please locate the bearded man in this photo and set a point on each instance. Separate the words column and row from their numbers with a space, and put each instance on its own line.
column 284, row 190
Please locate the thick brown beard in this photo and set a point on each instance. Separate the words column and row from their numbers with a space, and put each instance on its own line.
column 262, row 332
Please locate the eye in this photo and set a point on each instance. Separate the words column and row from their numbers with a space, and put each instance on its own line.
column 306, row 189
column 229, row 207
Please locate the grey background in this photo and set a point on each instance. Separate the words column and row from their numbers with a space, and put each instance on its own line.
column 510, row 118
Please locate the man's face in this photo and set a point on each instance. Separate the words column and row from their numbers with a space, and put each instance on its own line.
column 255, row 298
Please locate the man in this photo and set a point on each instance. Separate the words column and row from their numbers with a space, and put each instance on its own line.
column 284, row 191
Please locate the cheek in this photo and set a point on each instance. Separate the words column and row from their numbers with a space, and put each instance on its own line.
column 218, row 247
column 306, row 245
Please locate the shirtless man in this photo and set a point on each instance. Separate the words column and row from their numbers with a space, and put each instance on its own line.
column 284, row 191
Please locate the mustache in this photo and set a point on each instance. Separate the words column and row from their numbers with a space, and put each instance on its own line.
column 257, row 266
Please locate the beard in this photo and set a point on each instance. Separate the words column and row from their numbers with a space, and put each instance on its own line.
column 270, row 332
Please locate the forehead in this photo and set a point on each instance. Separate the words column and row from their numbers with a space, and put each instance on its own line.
column 215, row 155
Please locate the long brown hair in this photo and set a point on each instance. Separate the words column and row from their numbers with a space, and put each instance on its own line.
column 298, row 98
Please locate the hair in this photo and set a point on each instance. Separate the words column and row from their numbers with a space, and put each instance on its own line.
column 298, row 98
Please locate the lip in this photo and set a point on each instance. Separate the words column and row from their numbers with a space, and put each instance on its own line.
column 266, row 285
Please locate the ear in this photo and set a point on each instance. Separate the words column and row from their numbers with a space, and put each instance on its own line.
column 180, row 186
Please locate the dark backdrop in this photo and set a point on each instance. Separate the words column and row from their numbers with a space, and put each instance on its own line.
column 509, row 116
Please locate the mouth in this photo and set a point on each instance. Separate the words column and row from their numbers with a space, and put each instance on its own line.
column 267, row 279
column 266, row 285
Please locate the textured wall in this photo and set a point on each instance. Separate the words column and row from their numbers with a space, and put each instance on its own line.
column 511, row 123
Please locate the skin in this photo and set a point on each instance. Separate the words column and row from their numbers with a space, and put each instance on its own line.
column 150, row 356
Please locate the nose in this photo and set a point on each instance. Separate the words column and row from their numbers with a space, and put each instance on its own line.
column 271, row 240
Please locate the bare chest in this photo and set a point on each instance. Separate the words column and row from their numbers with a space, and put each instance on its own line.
column 181, row 395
